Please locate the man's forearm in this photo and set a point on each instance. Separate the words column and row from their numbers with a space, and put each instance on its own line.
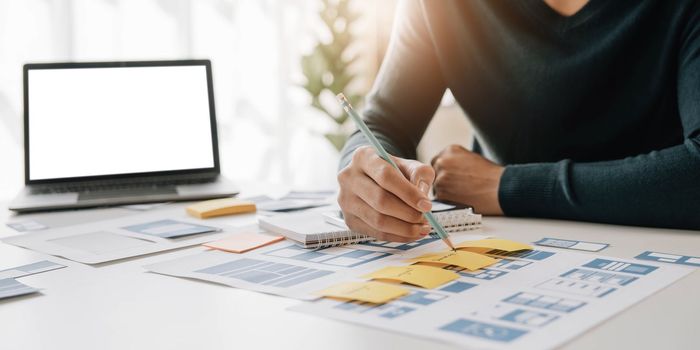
column 659, row 189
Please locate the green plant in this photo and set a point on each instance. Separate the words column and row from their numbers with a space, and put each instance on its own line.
column 328, row 67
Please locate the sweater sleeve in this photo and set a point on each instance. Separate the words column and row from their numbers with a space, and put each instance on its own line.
column 660, row 189
column 408, row 88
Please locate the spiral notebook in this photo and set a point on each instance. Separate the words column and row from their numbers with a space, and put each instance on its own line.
column 320, row 230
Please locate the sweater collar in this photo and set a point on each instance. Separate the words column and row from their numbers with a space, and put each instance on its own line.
column 560, row 23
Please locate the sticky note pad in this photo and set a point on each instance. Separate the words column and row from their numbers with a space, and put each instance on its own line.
column 419, row 275
column 243, row 242
column 371, row 292
column 464, row 259
column 220, row 207
column 485, row 245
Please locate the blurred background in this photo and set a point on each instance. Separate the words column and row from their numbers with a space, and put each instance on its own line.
column 276, row 64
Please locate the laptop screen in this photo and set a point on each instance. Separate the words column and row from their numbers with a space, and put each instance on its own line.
column 97, row 121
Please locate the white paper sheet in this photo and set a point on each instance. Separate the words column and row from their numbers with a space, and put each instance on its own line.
column 30, row 269
column 537, row 301
column 109, row 240
column 289, row 270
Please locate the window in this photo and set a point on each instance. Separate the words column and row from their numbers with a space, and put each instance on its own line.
column 267, row 130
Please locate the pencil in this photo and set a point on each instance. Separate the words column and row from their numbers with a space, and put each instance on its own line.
column 384, row 155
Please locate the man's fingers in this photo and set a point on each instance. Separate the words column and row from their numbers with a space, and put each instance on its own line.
column 384, row 201
column 437, row 156
column 385, row 223
column 379, row 200
column 438, row 162
column 419, row 174
column 394, row 181
column 358, row 225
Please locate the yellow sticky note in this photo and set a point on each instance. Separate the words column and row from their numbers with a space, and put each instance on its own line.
column 371, row 292
column 243, row 242
column 464, row 259
column 485, row 245
column 419, row 275
column 219, row 207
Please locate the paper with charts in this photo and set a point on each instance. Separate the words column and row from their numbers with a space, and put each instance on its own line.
column 286, row 269
column 124, row 237
column 529, row 299
column 535, row 299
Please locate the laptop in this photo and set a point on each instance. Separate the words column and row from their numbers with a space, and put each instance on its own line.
column 116, row 133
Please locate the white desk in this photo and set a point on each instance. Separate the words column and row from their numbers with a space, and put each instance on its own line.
column 120, row 306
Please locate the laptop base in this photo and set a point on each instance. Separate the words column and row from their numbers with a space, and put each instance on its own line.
column 29, row 201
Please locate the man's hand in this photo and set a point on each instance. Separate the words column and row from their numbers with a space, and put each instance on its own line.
column 383, row 202
column 467, row 178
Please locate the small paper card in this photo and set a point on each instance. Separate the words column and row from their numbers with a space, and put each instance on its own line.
column 670, row 258
column 243, row 242
column 28, row 225
column 464, row 259
column 419, row 275
column 571, row 244
column 371, row 292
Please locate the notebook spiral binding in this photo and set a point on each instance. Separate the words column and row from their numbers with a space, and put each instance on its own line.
column 453, row 222
column 337, row 238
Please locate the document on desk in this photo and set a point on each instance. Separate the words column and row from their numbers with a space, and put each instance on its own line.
column 9, row 288
column 286, row 269
column 536, row 299
column 123, row 237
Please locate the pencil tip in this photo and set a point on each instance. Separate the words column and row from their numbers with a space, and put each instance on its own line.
column 449, row 244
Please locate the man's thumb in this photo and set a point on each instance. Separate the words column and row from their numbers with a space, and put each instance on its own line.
column 419, row 174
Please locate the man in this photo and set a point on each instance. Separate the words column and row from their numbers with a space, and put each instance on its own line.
column 583, row 110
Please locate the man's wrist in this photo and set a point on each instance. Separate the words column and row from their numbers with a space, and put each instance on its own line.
column 527, row 189
column 497, row 176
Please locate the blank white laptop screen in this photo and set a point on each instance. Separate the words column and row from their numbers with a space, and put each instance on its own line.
column 107, row 121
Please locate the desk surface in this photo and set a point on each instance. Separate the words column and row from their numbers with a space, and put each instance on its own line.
column 121, row 306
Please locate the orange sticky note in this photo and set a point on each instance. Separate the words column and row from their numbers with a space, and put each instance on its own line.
column 243, row 242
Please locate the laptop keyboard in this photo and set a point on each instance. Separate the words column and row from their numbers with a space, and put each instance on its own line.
column 129, row 192
column 114, row 186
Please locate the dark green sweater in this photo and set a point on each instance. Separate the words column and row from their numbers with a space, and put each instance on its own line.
column 596, row 116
